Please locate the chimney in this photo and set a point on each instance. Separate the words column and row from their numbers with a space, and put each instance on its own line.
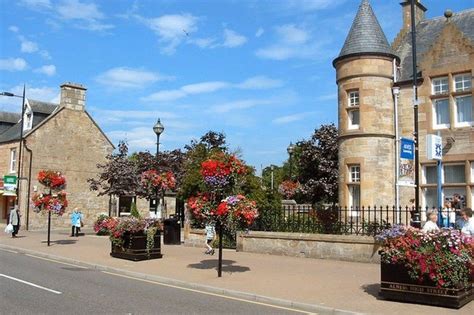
column 406, row 11
column 73, row 96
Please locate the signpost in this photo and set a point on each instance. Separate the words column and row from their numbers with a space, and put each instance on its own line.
column 9, row 185
column 406, row 170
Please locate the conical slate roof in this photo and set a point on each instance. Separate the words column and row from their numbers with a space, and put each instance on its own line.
column 366, row 36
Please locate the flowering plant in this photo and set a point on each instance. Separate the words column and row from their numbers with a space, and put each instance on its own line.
column 151, row 180
column 55, row 203
column 239, row 208
column 52, row 179
column 118, row 227
column 202, row 207
column 221, row 170
column 288, row 188
column 443, row 257
column 100, row 225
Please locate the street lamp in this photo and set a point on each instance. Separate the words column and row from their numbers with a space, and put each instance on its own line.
column 9, row 94
column 290, row 150
column 158, row 128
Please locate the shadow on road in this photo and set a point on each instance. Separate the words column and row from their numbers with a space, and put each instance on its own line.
column 61, row 242
column 372, row 289
column 227, row 265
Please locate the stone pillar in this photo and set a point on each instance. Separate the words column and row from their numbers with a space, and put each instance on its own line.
column 406, row 12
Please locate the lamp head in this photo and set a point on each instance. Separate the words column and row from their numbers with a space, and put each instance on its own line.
column 158, row 128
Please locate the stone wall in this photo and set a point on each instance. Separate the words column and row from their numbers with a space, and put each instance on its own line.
column 194, row 237
column 337, row 247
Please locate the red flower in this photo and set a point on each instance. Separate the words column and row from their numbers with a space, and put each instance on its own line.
column 222, row 209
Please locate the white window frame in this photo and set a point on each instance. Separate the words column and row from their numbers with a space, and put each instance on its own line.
column 425, row 181
column 440, row 82
column 435, row 122
column 354, row 175
column 464, row 123
column 353, row 99
column 350, row 118
column 466, row 82
column 443, row 173
column 13, row 161
column 472, row 176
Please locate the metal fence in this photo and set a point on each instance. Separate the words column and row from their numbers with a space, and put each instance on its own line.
column 341, row 220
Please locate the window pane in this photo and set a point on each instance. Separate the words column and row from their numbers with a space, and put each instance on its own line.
column 462, row 82
column 431, row 174
column 354, row 116
column 449, row 193
column 354, row 190
column 454, row 174
column 354, row 98
column 440, row 85
column 442, row 112
column 430, row 196
column 464, row 109
column 355, row 174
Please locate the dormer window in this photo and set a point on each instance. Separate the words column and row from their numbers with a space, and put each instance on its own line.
column 28, row 118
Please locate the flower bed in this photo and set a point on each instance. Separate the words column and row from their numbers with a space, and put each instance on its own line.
column 428, row 268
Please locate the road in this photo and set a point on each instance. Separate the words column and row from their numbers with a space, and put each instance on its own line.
column 35, row 285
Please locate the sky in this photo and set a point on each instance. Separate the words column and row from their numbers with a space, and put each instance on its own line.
column 259, row 71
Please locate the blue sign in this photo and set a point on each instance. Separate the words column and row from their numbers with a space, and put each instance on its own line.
column 407, row 149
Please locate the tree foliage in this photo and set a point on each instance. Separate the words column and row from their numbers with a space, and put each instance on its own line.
column 118, row 176
column 318, row 165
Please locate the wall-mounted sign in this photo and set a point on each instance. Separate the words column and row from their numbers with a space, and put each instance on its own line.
column 434, row 147
column 9, row 185
column 407, row 149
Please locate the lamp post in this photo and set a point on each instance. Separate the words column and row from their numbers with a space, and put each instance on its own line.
column 290, row 150
column 21, row 140
column 158, row 128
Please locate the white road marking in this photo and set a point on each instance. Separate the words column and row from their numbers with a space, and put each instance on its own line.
column 29, row 283
column 7, row 250
column 208, row 293
column 56, row 261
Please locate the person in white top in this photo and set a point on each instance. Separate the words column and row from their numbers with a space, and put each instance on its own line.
column 430, row 225
column 468, row 227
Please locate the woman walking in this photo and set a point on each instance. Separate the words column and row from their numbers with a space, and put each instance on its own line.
column 210, row 233
column 76, row 218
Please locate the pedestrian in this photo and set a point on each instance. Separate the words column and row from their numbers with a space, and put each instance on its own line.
column 210, row 234
column 430, row 225
column 457, row 206
column 76, row 219
column 448, row 216
column 468, row 227
column 14, row 220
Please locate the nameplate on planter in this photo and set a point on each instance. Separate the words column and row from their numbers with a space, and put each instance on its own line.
column 392, row 286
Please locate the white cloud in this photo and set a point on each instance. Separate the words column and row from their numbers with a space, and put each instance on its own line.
column 164, row 96
column 49, row 70
column 254, row 83
column 123, row 77
column 204, row 87
column 291, row 34
column 13, row 29
column 289, row 118
column 259, row 32
column 203, row 42
column 27, row 46
column 115, row 116
column 88, row 15
column 13, row 64
column 241, row 104
column 259, row 83
column 172, row 29
column 36, row 4
column 312, row 5
column 233, row 39
column 45, row 54
column 294, row 42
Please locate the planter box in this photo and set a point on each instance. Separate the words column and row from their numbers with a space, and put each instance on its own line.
column 397, row 285
column 134, row 248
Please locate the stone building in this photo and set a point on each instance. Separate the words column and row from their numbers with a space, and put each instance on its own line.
column 375, row 103
column 61, row 137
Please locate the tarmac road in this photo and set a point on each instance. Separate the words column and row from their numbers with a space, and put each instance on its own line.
column 35, row 285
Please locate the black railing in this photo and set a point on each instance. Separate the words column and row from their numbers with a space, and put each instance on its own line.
column 343, row 220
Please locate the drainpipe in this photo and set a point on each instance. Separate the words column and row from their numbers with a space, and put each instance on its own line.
column 29, row 186
column 396, row 93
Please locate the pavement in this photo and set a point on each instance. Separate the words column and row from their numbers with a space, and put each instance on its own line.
column 314, row 285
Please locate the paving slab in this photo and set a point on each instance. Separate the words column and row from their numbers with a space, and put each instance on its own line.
column 328, row 285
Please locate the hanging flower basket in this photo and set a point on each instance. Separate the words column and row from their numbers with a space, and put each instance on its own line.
column 52, row 179
column 152, row 180
column 54, row 203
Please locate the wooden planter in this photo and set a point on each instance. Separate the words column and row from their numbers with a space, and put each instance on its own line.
column 396, row 284
column 134, row 248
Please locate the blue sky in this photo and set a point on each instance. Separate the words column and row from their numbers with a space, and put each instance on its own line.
column 259, row 71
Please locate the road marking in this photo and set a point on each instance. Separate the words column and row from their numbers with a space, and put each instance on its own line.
column 56, row 261
column 7, row 250
column 31, row 284
column 208, row 293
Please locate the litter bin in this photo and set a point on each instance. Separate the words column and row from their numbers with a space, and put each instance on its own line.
column 172, row 232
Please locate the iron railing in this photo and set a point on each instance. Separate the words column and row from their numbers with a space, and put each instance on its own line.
column 342, row 220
